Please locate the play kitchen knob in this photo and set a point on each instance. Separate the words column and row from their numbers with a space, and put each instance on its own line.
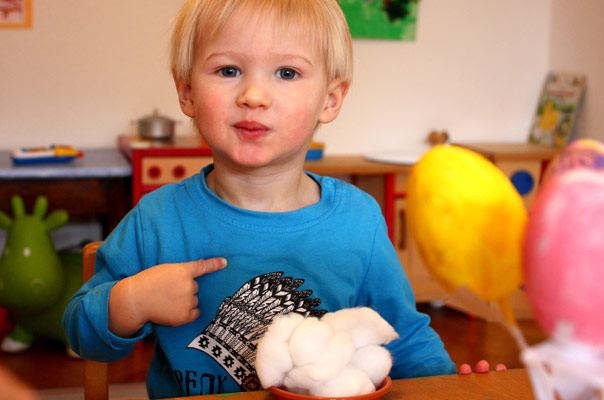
column 156, row 127
column 154, row 172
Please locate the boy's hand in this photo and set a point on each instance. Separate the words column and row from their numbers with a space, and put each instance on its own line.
column 482, row 367
column 165, row 294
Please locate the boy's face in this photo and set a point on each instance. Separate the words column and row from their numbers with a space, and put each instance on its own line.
column 257, row 93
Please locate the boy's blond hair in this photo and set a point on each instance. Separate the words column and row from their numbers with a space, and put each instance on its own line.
column 320, row 20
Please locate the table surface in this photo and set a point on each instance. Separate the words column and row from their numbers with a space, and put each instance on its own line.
column 505, row 385
column 352, row 165
column 96, row 163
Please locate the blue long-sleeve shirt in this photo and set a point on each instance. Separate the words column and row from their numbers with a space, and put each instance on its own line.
column 331, row 255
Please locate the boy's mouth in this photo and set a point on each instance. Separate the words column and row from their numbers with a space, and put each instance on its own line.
column 251, row 130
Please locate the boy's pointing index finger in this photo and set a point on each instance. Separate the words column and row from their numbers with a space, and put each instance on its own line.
column 201, row 267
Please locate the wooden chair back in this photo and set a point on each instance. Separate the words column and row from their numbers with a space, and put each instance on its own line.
column 96, row 385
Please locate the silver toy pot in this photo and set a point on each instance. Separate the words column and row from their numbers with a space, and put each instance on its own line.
column 156, row 127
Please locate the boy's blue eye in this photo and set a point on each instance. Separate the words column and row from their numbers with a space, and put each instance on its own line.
column 287, row 73
column 229, row 72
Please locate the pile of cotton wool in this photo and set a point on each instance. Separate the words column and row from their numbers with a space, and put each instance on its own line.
column 339, row 355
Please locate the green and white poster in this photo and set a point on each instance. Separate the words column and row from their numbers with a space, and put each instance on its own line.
column 381, row 19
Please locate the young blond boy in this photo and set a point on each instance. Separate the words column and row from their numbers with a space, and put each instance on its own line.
column 257, row 77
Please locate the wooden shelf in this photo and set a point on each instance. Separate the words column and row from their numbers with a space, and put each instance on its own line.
column 513, row 151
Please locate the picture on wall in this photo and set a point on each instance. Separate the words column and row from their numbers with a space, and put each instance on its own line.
column 15, row 13
column 381, row 19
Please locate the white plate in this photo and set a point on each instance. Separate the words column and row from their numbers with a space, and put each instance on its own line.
column 404, row 157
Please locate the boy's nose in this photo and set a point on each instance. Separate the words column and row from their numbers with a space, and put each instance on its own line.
column 253, row 96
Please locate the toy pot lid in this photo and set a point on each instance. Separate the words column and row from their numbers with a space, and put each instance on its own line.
column 155, row 117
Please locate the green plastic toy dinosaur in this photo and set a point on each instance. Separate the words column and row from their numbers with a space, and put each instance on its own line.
column 36, row 282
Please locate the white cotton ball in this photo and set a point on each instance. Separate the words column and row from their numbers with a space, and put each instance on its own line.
column 364, row 325
column 350, row 382
column 271, row 365
column 336, row 355
column 308, row 341
column 273, row 359
column 375, row 361
column 297, row 380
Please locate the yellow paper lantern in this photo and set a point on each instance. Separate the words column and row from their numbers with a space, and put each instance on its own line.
column 468, row 222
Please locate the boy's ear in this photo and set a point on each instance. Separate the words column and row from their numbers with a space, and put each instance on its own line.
column 336, row 92
column 184, row 96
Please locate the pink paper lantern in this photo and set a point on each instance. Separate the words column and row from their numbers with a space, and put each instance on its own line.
column 564, row 256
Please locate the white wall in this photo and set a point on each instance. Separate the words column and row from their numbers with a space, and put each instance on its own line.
column 85, row 70
column 577, row 45
column 475, row 70
column 89, row 67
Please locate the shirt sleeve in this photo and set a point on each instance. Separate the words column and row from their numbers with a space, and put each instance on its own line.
column 419, row 351
column 86, row 317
